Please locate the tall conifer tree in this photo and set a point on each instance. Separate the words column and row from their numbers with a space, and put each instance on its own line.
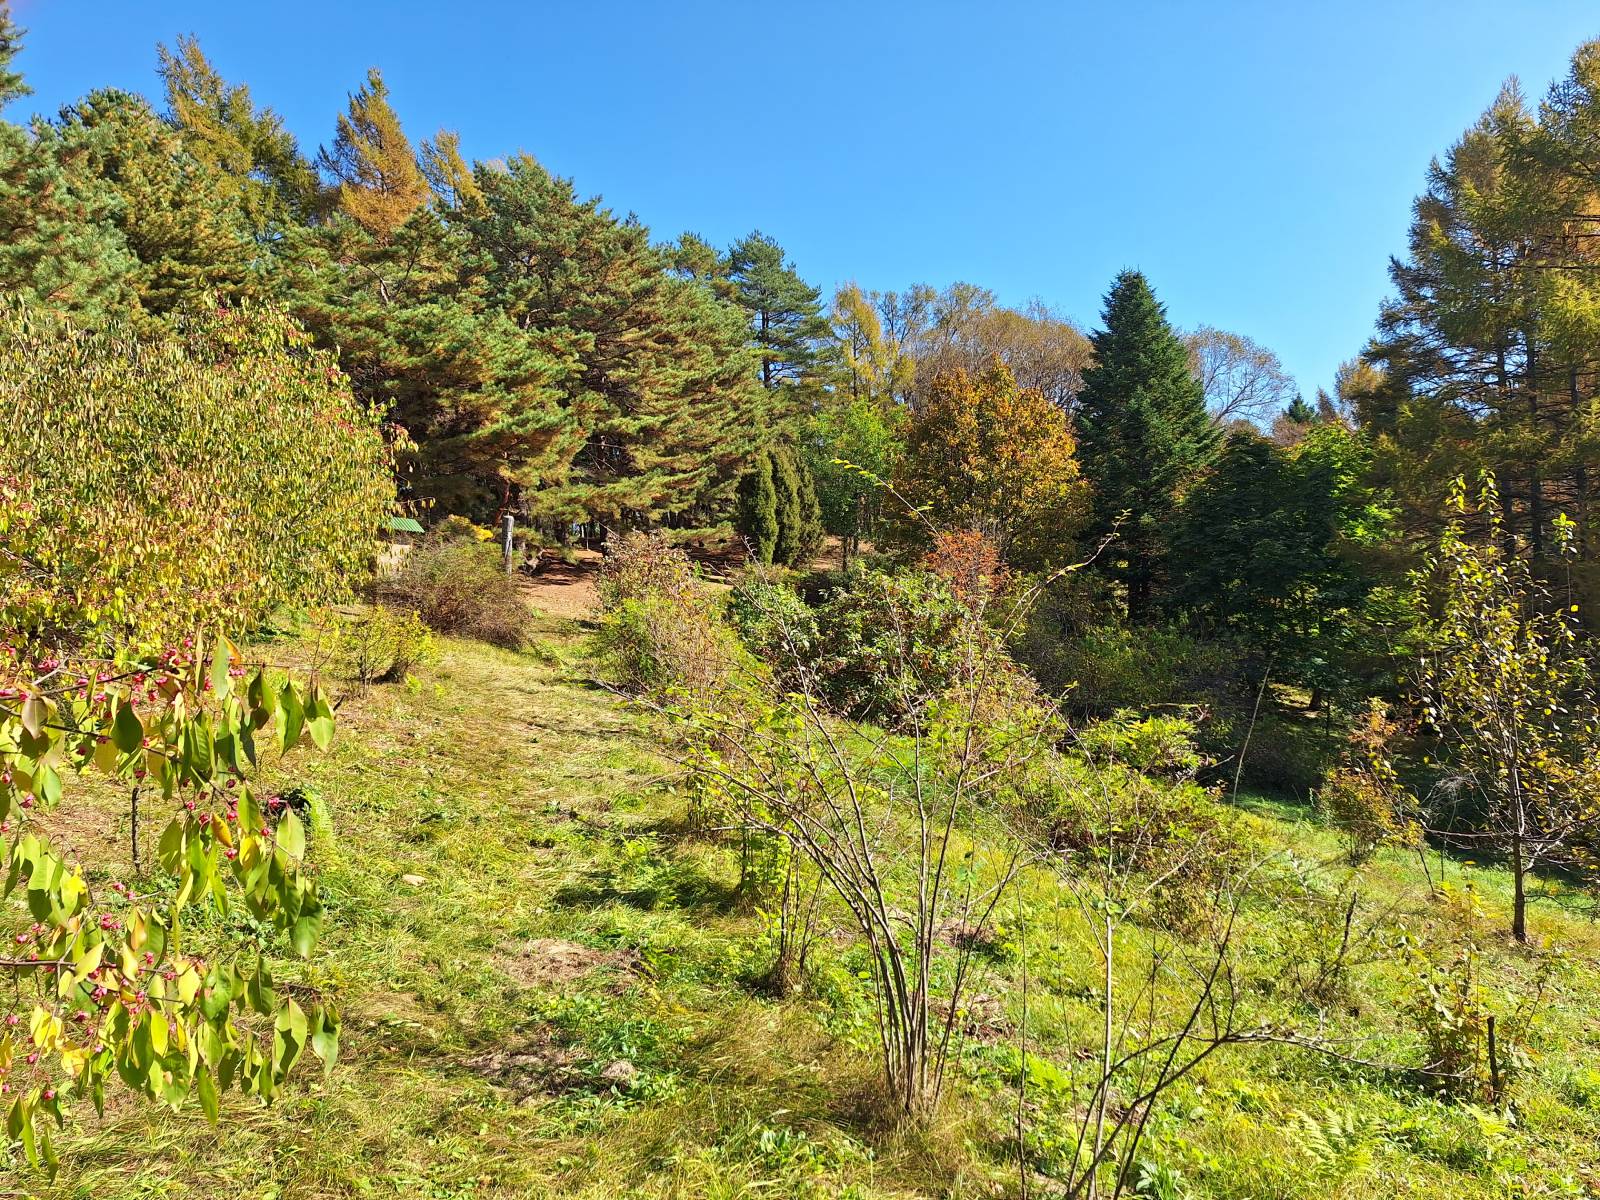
column 372, row 163
column 1144, row 433
column 257, row 160
column 655, row 375
column 786, row 317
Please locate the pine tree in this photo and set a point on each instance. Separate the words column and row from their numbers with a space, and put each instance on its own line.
column 257, row 160
column 375, row 170
column 59, row 244
column 175, row 214
column 786, row 317
column 103, row 213
column 408, row 308
column 1144, row 433
column 655, row 373
column 12, row 86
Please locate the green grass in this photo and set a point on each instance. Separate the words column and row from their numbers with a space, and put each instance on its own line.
column 566, row 923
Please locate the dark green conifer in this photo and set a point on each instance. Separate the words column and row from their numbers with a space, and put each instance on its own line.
column 786, row 318
column 1143, row 431
column 758, row 508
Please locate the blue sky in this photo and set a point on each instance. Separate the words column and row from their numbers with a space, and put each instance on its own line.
column 1256, row 160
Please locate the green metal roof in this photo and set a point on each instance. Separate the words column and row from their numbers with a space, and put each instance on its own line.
column 404, row 525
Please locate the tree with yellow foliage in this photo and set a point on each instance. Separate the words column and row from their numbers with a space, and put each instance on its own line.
column 983, row 454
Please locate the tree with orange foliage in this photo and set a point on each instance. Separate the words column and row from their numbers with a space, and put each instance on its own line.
column 985, row 455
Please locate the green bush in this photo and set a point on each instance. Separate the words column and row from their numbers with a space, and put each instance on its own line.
column 883, row 636
column 458, row 585
column 659, row 629
column 1283, row 754
column 1106, row 667
column 154, row 484
column 773, row 622
column 1160, row 745
column 379, row 645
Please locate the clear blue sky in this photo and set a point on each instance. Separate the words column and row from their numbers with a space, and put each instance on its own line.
column 1256, row 160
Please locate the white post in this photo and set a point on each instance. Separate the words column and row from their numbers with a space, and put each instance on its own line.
column 507, row 522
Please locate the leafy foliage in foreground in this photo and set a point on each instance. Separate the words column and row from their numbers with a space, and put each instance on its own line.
column 107, row 983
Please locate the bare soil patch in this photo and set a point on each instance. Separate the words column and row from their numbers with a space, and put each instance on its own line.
column 551, row 962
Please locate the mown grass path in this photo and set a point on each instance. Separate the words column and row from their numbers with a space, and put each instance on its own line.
column 536, row 971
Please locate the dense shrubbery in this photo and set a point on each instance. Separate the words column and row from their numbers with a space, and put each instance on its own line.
column 152, row 485
column 774, row 623
column 885, row 636
column 1102, row 667
column 458, row 585
column 659, row 630
column 1159, row 745
column 380, row 644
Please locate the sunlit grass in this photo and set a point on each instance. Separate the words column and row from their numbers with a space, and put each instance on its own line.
column 535, row 808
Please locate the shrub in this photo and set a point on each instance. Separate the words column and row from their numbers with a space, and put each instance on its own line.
column 1108, row 666
column 1160, row 745
column 1370, row 807
column 153, row 485
column 970, row 563
column 773, row 622
column 379, row 645
column 883, row 637
column 458, row 585
column 1282, row 754
column 1473, row 1053
column 659, row 629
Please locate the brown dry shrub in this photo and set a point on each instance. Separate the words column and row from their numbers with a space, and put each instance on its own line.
column 459, row 586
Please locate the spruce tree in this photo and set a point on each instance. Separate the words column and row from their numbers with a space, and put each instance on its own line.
column 1300, row 412
column 1144, row 433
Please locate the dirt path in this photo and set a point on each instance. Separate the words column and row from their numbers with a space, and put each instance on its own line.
column 565, row 589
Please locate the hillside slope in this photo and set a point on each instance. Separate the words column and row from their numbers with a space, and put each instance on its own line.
column 544, row 985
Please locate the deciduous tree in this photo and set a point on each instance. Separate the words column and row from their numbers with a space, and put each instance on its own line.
column 984, row 454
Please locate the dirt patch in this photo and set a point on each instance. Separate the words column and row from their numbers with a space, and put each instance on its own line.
column 564, row 589
column 539, row 1068
column 981, row 1017
column 551, row 962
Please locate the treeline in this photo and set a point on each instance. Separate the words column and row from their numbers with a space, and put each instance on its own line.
column 532, row 351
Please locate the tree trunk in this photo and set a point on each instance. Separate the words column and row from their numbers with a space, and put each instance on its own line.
column 1138, row 593
column 1519, row 892
column 1535, row 481
column 1580, row 480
